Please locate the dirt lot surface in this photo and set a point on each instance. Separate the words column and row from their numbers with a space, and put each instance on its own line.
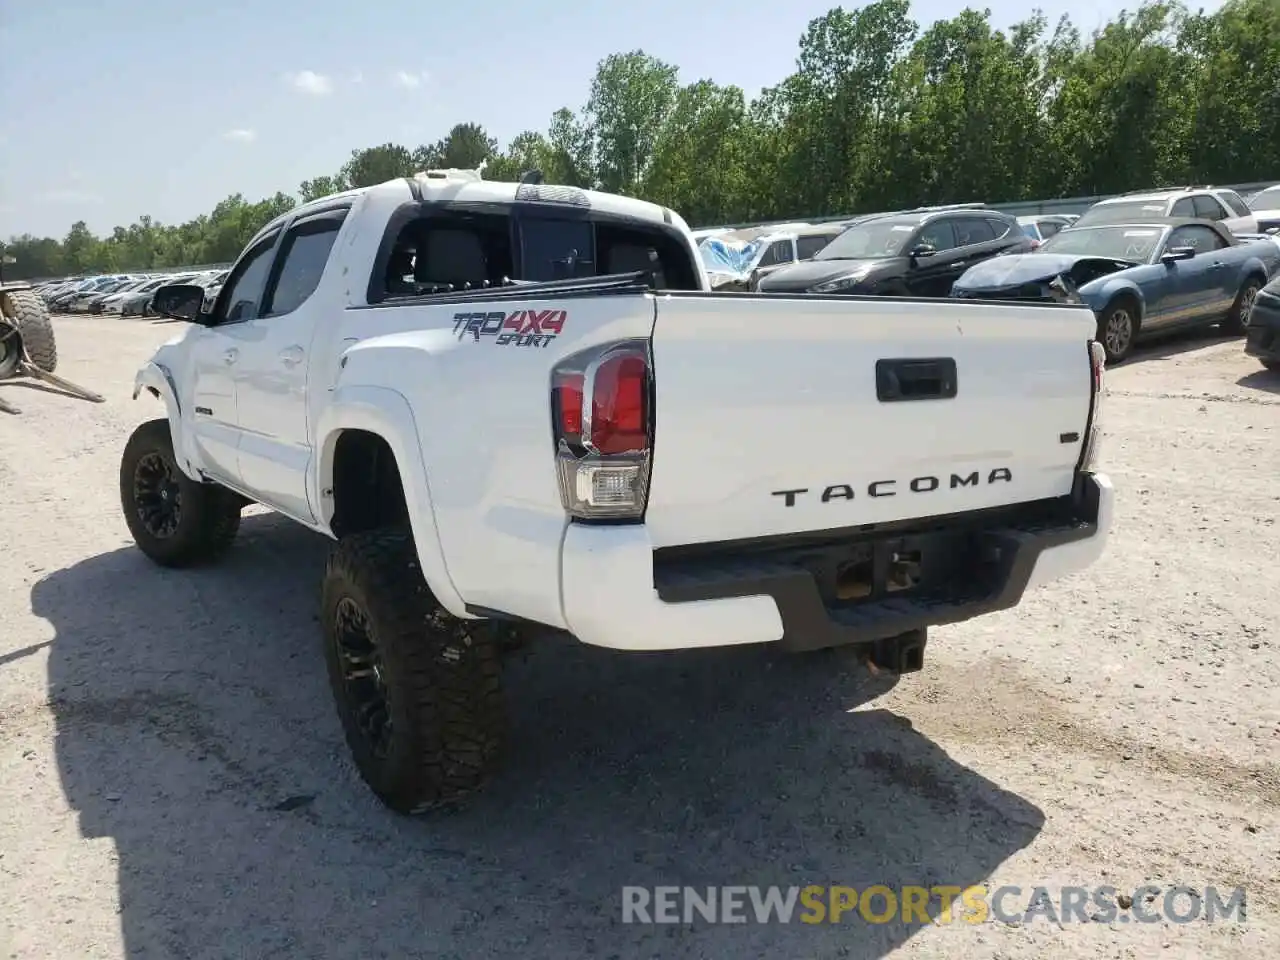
column 173, row 782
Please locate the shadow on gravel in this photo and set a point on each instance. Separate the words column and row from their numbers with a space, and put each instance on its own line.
column 194, row 728
column 1265, row 380
column 1162, row 346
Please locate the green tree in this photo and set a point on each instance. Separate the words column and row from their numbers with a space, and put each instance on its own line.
column 631, row 97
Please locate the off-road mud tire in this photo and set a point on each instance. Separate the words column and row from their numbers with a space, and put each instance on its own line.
column 208, row 515
column 439, row 677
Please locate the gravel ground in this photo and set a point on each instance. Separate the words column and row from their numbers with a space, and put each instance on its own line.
column 173, row 781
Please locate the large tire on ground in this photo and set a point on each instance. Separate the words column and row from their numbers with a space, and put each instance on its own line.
column 417, row 690
column 176, row 521
column 1118, row 328
column 31, row 316
column 1237, row 321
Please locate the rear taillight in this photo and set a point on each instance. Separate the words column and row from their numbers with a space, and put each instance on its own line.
column 602, row 419
column 1093, row 436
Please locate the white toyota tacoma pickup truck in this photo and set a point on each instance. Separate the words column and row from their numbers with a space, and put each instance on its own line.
column 521, row 404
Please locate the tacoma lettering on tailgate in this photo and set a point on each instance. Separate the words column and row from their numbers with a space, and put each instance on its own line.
column 889, row 488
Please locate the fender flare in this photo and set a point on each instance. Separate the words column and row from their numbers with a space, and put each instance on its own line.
column 1252, row 266
column 1107, row 296
column 158, row 381
column 387, row 414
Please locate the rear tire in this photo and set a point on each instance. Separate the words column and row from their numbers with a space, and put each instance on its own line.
column 1272, row 365
column 1237, row 321
column 176, row 521
column 417, row 690
column 31, row 317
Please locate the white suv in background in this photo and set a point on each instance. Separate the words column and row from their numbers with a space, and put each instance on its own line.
column 1204, row 203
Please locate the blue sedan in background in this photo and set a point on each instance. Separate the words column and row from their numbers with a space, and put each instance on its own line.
column 1140, row 279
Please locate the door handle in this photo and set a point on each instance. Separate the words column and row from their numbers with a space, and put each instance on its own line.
column 231, row 356
column 291, row 356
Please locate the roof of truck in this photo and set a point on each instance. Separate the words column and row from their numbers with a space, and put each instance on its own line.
column 466, row 186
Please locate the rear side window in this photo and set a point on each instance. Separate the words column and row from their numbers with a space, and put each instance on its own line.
column 1207, row 208
column 999, row 228
column 973, row 230
column 1049, row 228
column 301, row 262
column 1233, row 200
column 1184, row 208
column 779, row 252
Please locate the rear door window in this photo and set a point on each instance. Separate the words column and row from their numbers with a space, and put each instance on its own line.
column 1233, row 200
column 1184, row 208
column 1207, row 208
column 1049, row 228
column 304, row 253
column 971, row 231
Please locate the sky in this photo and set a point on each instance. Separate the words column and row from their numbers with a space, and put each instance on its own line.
column 122, row 108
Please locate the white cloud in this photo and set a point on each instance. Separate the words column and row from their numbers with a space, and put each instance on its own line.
column 308, row 81
column 357, row 77
column 410, row 81
column 240, row 136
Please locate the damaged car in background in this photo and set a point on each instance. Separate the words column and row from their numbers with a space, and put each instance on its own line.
column 1140, row 279
column 733, row 256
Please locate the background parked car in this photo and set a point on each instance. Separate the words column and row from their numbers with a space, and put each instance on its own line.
column 1262, row 338
column 1202, row 203
column 1265, row 205
column 808, row 242
column 1139, row 278
column 907, row 254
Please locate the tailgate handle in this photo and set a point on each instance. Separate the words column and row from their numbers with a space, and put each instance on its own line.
column 915, row 379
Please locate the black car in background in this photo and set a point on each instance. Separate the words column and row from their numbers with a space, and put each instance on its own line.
column 1262, row 335
column 903, row 255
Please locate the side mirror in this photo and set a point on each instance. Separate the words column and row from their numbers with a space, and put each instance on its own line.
column 923, row 250
column 180, row 301
column 1174, row 254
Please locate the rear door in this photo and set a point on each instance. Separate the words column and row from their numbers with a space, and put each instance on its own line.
column 271, row 375
column 778, row 415
column 1208, row 278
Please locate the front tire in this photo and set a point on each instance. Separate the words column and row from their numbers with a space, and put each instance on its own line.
column 1237, row 320
column 417, row 690
column 176, row 521
column 1118, row 329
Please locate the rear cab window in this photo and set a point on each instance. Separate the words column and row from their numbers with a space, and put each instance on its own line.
column 433, row 249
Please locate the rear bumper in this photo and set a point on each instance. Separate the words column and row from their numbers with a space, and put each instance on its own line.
column 1262, row 338
column 620, row 593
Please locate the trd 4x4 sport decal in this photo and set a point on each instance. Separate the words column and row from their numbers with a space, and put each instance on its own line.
column 520, row 328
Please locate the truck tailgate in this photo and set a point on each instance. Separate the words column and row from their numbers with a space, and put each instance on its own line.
column 778, row 415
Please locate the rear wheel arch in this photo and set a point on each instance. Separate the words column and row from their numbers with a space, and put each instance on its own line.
column 367, row 425
column 366, row 484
